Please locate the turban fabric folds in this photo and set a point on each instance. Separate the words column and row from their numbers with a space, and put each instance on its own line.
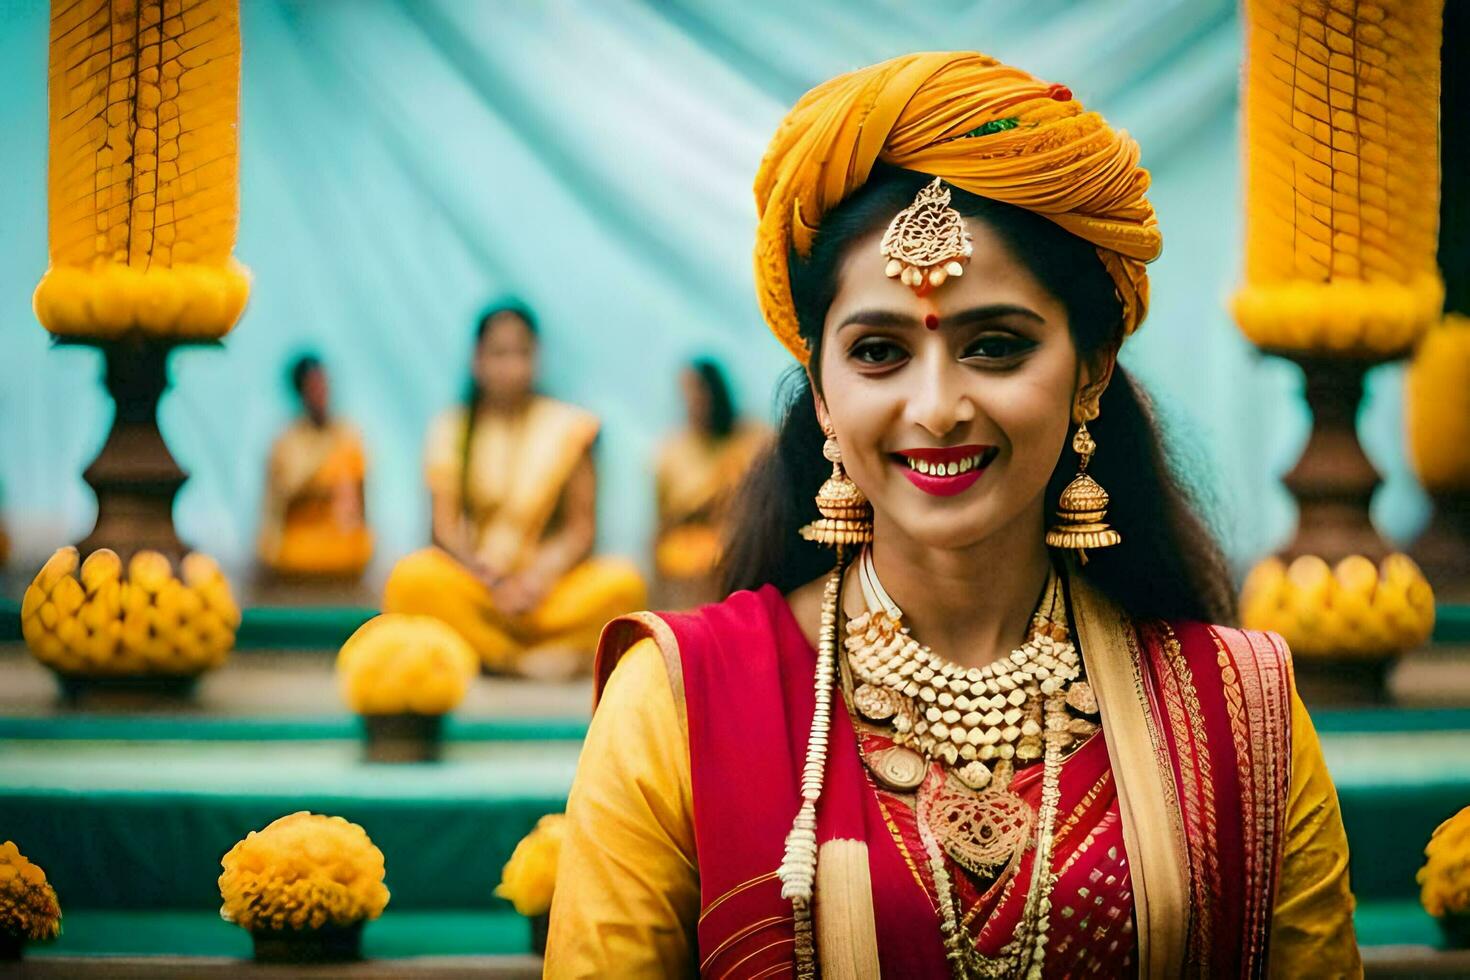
column 983, row 127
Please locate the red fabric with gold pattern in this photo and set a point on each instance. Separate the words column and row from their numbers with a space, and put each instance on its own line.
column 1219, row 705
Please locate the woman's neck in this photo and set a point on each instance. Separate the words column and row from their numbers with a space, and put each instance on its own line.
column 969, row 605
column 490, row 407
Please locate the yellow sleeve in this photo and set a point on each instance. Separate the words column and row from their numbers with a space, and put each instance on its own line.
column 627, row 889
column 444, row 452
column 1312, row 925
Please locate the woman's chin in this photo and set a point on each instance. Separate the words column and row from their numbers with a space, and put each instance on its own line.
column 943, row 529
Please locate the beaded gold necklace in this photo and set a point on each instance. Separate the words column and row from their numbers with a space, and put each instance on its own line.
column 978, row 723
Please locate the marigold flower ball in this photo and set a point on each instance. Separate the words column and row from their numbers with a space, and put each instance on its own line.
column 398, row 663
column 303, row 871
column 28, row 906
column 1445, row 878
column 529, row 877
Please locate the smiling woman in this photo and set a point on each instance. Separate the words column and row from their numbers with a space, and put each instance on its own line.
column 999, row 736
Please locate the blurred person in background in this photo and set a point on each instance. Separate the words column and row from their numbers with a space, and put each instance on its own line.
column 513, row 491
column 314, row 522
column 698, row 468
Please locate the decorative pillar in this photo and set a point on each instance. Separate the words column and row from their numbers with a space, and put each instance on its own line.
column 143, row 190
column 1342, row 177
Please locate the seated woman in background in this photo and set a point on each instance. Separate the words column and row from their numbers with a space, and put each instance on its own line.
column 314, row 523
column 514, row 496
column 697, row 469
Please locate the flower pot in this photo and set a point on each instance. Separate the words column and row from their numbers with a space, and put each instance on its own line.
column 106, row 692
column 540, row 925
column 1456, row 929
column 329, row 944
column 402, row 737
column 12, row 948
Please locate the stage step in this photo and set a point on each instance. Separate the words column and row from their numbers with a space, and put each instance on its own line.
column 143, row 825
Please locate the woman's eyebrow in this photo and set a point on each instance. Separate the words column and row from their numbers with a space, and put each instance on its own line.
column 968, row 317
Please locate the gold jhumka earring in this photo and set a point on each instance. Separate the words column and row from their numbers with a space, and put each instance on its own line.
column 847, row 518
column 1083, row 506
column 926, row 243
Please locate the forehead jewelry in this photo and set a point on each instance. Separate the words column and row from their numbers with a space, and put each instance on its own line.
column 926, row 243
column 931, row 320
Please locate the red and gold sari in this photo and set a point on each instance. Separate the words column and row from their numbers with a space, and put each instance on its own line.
column 1169, row 836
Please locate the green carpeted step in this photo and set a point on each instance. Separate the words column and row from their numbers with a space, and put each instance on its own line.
column 193, row 932
column 1395, row 788
column 144, row 824
column 464, row 932
column 185, row 726
column 326, row 727
column 137, row 825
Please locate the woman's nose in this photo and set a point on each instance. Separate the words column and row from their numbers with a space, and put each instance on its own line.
column 938, row 401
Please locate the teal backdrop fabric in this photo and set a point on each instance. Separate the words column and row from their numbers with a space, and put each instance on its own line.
column 404, row 161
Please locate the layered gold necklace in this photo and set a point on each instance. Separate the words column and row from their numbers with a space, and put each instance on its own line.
column 979, row 723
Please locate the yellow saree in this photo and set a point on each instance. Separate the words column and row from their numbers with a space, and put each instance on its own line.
column 693, row 477
column 313, row 521
column 519, row 467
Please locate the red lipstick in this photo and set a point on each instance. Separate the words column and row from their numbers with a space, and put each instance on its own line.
column 947, row 471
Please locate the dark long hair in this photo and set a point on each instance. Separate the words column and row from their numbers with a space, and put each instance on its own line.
column 722, row 412
column 1168, row 566
column 474, row 395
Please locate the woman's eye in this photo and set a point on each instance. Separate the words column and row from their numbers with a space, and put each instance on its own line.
column 877, row 352
column 999, row 347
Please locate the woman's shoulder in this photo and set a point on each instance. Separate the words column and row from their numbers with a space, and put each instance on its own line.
column 1228, row 656
column 740, row 630
column 564, row 412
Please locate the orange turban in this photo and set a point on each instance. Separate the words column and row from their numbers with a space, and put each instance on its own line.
column 1041, row 151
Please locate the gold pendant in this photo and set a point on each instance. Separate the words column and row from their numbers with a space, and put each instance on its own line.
column 984, row 833
column 898, row 768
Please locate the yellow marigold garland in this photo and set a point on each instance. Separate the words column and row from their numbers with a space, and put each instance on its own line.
column 93, row 620
column 1444, row 881
column 398, row 663
column 1342, row 175
column 142, row 176
column 303, row 871
column 1352, row 609
column 28, row 906
column 1437, row 406
column 529, row 877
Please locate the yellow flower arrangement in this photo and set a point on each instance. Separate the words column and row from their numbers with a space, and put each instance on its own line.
column 1437, row 406
column 28, row 907
column 93, row 620
column 529, row 877
column 143, row 188
column 1352, row 609
column 303, row 871
column 402, row 664
column 1444, row 881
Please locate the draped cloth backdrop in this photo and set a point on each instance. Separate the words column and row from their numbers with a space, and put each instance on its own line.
column 404, row 161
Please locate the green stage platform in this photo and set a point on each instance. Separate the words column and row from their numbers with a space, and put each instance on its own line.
column 193, row 932
column 142, row 824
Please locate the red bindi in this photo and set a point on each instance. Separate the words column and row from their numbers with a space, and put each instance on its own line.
column 931, row 321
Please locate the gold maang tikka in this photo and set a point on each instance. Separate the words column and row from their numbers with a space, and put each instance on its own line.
column 847, row 518
column 926, row 243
